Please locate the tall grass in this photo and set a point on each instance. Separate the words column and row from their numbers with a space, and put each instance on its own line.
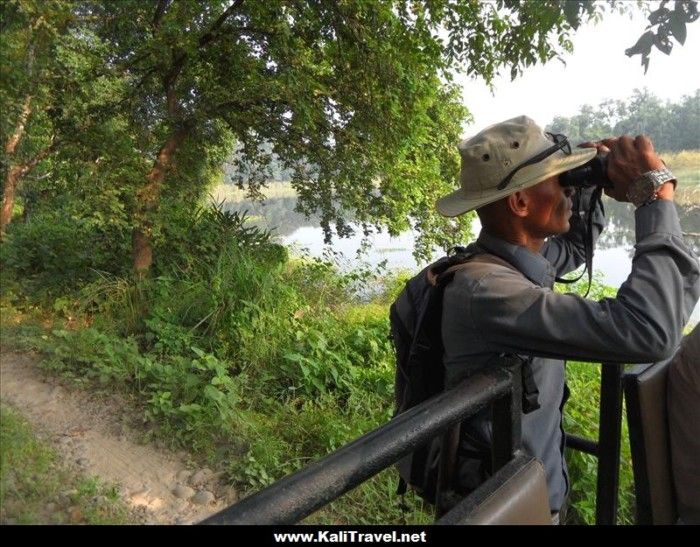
column 685, row 166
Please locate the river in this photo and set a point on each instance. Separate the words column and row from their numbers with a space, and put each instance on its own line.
column 612, row 259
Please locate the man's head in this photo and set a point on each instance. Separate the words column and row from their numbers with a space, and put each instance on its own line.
column 510, row 175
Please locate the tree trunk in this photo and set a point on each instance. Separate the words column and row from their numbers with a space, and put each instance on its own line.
column 8, row 197
column 147, row 201
column 18, row 133
column 14, row 173
column 12, row 179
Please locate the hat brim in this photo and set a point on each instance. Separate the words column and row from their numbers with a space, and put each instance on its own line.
column 458, row 203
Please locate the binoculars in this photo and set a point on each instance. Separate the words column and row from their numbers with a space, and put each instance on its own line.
column 593, row 173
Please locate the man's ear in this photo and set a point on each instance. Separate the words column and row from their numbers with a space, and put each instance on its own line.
column 518, row 203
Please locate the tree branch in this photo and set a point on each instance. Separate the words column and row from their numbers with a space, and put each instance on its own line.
column 18, row 133
column 159, row 13
column 41, row 155
column 180, row 59
column 211, row 34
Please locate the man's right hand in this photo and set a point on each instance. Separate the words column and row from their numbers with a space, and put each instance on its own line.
column 628, row 159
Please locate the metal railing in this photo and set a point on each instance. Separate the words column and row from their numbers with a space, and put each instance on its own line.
column 298, row 495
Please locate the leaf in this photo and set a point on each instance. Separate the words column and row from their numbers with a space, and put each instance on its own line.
column 663, row 44
column 659, row 15
column 643, row 45
column 198, row 352
column 294, row 357
column 571, row 15
column 678, row 29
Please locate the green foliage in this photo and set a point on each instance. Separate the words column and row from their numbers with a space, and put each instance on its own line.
column 31, row 478
column 52, row 253
column 340, row 356
column 193, row 398
column 598, row 290
column 581, row 418
column 193, row 240
column 669, row 23
column 90, row 354
column 354, row 100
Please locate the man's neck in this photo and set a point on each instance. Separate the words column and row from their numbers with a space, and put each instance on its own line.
column 517, row 237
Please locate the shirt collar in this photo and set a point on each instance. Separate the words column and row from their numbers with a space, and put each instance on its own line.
column 534, row 266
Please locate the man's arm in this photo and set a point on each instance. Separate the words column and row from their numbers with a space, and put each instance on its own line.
column 643, row 323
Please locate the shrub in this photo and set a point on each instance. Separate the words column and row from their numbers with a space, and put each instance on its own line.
column 53, row 253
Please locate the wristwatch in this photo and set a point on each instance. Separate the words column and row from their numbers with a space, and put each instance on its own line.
column 643, row 190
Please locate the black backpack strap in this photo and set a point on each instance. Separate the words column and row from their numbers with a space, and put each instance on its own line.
column 530, row 392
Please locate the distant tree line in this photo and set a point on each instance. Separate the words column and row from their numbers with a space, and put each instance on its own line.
column 673, row 126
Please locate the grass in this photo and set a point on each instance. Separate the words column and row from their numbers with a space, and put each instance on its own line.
column 35, row 488
column 685, row 166
column 581, row 419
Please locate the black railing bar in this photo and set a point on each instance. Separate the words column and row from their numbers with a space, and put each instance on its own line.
column 582, row 444
column 609, row 433
column 298, row 495
column 506, row 414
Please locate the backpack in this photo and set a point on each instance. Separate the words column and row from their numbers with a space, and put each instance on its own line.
column 415, row 322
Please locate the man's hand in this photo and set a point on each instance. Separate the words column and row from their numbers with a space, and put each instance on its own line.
column 628, row 159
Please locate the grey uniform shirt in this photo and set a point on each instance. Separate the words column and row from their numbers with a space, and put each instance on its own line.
column 491, row 309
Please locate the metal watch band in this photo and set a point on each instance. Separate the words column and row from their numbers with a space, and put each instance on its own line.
column 643, row 190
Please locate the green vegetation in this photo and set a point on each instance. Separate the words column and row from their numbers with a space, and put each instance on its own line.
column 117, row 120
column 258, row 363
column 114, row 114
column 255, row 362
column 35, row 488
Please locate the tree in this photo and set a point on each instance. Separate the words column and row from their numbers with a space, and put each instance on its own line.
column 354, row 97
column 672, row 126
column 30, row 30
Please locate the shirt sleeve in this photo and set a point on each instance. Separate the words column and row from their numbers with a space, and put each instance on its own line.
column 568, row 251
column 643, row 323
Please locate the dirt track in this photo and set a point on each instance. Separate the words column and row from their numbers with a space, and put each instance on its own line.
column 98, row 436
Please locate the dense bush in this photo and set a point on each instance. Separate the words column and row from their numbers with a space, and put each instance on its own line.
column 52, row 253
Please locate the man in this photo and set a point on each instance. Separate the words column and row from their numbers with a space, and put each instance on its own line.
column 510, row 175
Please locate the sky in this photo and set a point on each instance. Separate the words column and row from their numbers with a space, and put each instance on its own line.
column 597, row 69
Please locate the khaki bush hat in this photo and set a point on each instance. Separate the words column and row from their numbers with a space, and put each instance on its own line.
column 492, row 154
